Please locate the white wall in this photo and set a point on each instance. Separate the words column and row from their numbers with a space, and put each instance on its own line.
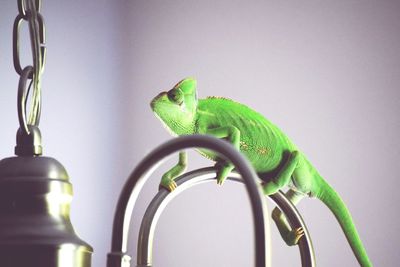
column 326, row 72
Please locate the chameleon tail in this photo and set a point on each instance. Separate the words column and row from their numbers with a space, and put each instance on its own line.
column 334, row 202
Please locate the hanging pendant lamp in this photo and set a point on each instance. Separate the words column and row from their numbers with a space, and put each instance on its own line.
column 35, row 192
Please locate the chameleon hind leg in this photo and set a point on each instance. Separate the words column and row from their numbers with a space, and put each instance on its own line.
column 284, row 176
column 289, row 235
column 167, row 180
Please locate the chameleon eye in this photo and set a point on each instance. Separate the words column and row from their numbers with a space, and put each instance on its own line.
column 175, row 96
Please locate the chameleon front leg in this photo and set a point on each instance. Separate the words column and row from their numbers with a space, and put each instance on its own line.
column 232, row 134
column 289, row 235
column 167, row 180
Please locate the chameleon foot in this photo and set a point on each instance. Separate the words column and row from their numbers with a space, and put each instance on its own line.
column 223, row 170
column 294, row 236
column 220, row 181
column 168, row 184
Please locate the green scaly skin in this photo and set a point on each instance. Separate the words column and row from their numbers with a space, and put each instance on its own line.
column 275, row 158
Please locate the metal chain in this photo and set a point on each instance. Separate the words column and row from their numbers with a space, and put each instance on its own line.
column 28, row 10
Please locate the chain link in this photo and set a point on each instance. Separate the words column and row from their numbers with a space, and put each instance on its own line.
column 22, row 7
column 29, row 12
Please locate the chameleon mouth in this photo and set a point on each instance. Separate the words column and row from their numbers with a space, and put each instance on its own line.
column 153, row 102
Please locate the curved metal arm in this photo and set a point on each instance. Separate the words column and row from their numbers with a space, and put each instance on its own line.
column 200, row 176
column 295, row 220
column 130, row 192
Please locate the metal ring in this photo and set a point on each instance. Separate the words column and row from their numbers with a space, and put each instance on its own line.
column 200, row 176
column 22, row 8
column 134, row 184
column 17, row 63
column 37, row 43
column 21, row 99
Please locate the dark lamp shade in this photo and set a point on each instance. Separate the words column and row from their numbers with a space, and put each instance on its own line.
column 35, row 228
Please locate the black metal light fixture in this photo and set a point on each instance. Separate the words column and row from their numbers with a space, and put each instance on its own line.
column 35, row 192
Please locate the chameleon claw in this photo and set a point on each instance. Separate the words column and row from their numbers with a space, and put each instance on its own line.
column 220, row 181
column 292, row 237
column 169, row 185
column 172, row 186
column 298, row 233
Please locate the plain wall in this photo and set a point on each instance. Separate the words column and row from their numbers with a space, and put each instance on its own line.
column 327, row 73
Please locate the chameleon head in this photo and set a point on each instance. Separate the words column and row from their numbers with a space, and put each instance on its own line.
column 177, row 107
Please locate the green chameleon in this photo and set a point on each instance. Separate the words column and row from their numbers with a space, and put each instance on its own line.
column 275, row 158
